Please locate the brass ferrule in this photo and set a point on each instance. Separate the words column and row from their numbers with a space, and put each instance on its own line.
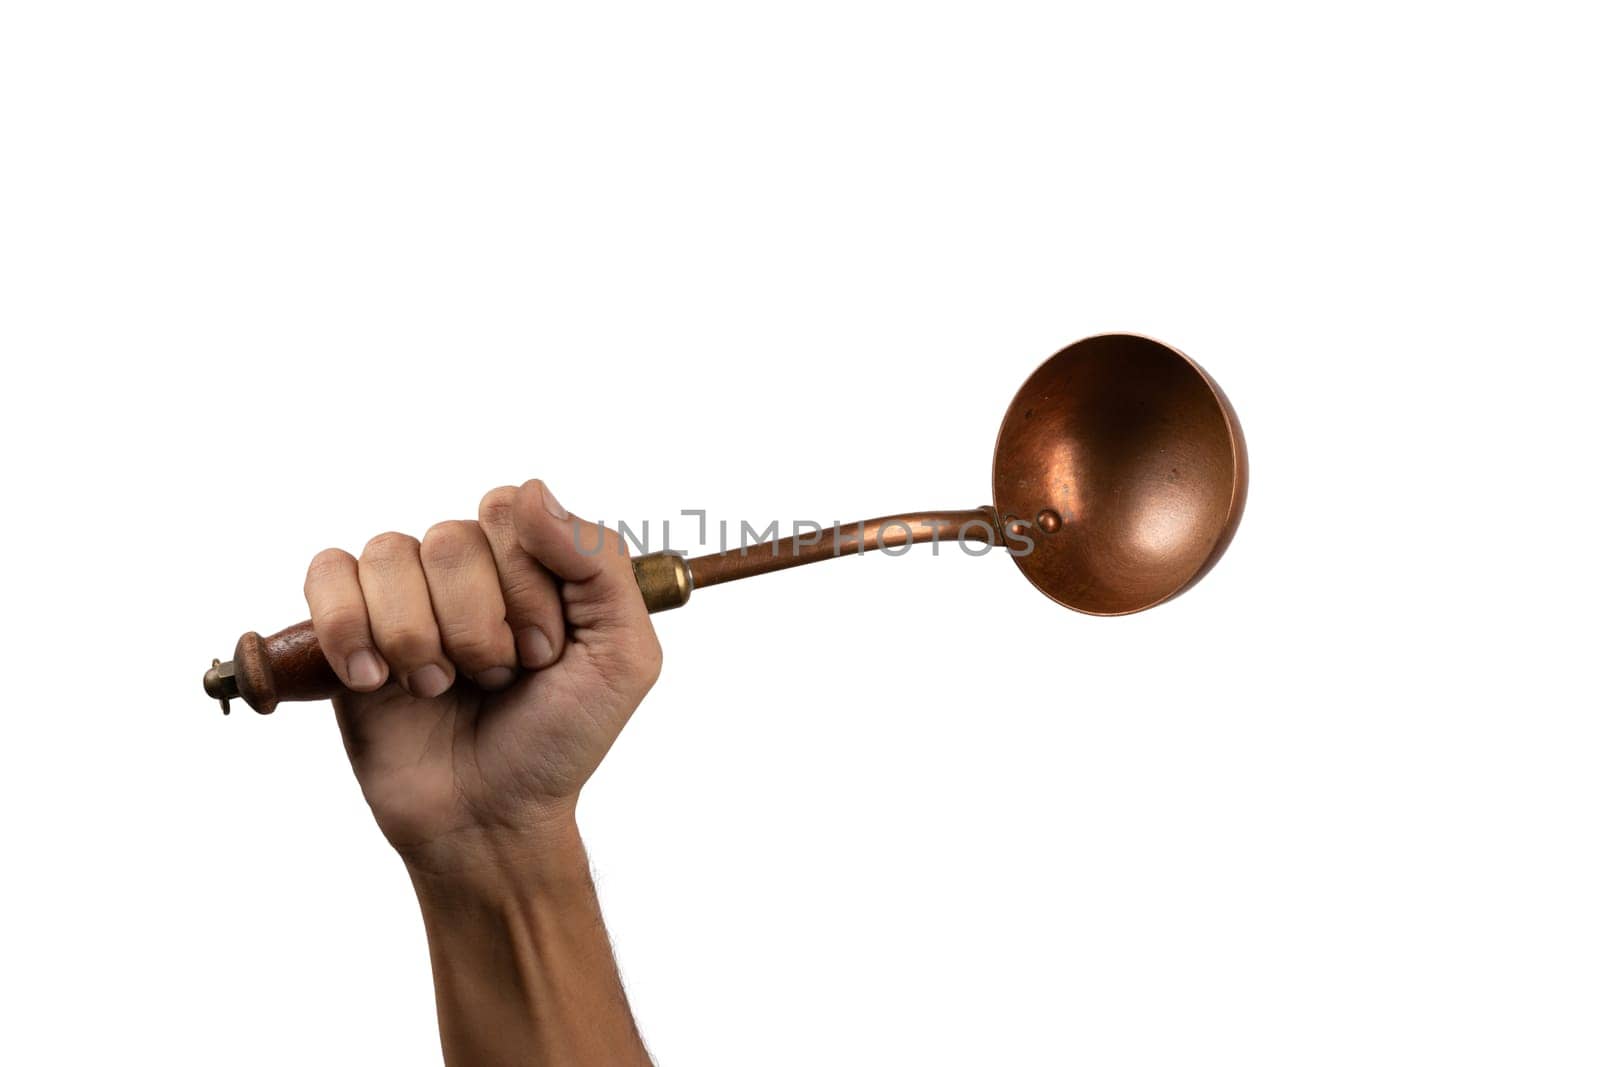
column 664, row 579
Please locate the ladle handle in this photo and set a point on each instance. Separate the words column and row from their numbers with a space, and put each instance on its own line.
column 289, row 665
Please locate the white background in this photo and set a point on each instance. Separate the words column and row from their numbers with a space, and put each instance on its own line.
column 275, row 277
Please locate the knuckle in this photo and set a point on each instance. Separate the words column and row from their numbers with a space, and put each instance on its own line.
column 408, row 644
column 327, row 564
column 527, row 595
column 388, row 547
column 498, row 506
column 474, row 645
column 343, row 626
column 449, row 543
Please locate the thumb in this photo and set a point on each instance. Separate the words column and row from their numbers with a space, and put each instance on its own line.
column 599, row 588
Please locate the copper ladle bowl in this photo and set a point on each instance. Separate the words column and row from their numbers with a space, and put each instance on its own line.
column 1119, row 478
column 1130, row 462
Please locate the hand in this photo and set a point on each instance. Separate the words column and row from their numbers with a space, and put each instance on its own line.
column 490, row 666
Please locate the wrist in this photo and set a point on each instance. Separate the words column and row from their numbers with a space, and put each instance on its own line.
column 479, row 862
column 523, row 971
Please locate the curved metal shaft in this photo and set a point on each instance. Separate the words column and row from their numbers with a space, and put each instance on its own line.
column 890, row 531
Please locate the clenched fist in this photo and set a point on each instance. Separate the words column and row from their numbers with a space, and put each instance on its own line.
column 490, row 666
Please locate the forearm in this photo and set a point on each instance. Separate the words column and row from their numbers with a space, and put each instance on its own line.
column 522, row 966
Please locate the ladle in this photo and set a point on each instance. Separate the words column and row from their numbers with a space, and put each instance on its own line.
column 1119, row 479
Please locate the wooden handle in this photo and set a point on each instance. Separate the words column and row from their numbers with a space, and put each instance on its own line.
column 289, row 665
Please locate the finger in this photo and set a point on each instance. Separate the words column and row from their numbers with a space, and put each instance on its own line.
column 401, row 615
column 339, row 615
column 600, row 589
column 532, row 596
column 464, row 588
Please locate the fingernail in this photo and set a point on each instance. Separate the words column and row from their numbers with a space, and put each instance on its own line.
column 495, row 678
column 551, row 504
column 364, row 670
column 426, row 682
column 535, row 648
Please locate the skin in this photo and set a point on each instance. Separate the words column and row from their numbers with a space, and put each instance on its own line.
column 491, row 666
